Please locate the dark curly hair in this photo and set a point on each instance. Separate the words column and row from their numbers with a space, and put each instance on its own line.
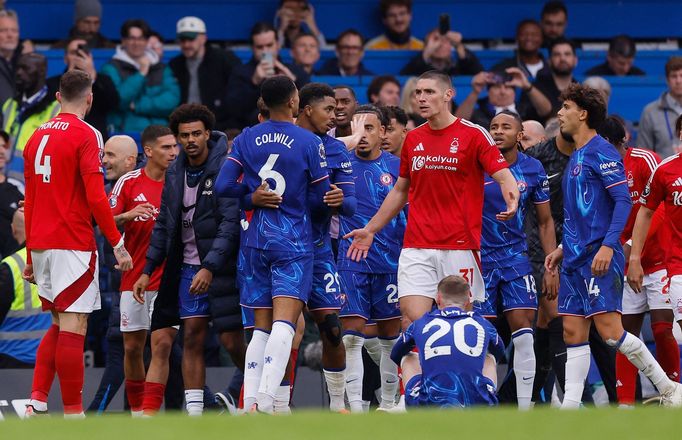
column 191, row 113
column 588, row 99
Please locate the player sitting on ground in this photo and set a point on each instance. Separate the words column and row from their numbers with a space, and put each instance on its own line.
column 453, row 345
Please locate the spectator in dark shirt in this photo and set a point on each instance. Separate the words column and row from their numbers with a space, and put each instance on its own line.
column 438, row 55
column 527, row 56
column 87, row 18
column 349, row 53
column 384, row 90
column 9, row 202
column 245, row 81
column 551, row 82
column 77, row 56
column 554, row 19
column 619, row 59
column 306, row 52
column 202, row 70
column 295, row 17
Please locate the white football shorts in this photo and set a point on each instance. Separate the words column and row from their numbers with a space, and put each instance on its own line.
column 654, row 295
column 136, row 316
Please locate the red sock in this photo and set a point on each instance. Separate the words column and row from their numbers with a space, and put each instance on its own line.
column 626, row 380
column 135, row 392
column 70, row 369
column 293, row 356
column 667, row 350
column 153, row 397
column 241, row 398
column 402, row 385
column 43, row 373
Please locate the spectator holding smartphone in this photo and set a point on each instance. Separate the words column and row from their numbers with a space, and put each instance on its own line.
column 501, row 87
column 77, row 56
column 444, row 52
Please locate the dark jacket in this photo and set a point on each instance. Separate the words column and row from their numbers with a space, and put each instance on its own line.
column 7, row 69
column 515, row 61
column 214, row 73
column 243, row 94
column 470, row 65
column 604, row 70
column 105, row 100
column 331, row 67
column 97, row 41
column 216, row 230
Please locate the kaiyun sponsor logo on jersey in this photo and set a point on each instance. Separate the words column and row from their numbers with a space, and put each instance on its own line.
column 437, row 162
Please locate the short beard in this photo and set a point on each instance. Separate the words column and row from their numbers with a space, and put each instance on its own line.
column 364, row 154
column 562, row 73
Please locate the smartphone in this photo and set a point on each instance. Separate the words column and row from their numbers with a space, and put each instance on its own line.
column 444, row 24
column 84, row 48
column 268, row 58
column 501, row 77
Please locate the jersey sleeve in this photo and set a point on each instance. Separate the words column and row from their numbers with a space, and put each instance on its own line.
column 228, row 183
column 654, row 192
column 487, row 153
column 541, row 192
column 343, row 178
column 608, row 167
column 90, row 153
column 404, row 345
column 118, row 197
column 317, row 161
column 405, row 160
column 495, row 343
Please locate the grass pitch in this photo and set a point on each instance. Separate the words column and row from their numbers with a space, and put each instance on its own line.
column 499, row 423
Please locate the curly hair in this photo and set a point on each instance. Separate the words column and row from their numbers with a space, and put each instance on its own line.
column 588, row 99
column 191, row 113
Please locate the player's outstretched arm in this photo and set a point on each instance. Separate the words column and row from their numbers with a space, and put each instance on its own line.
column 393, row 203
column 639, row 234
column 99, row 206
column 227, row 184
column 510, row 192
column 404, row 345
column 547, row 235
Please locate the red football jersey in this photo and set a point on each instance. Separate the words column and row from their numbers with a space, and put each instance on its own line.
column 57, row 155
column 666, row 186
column 445, row 168
column 132, row 189
column 639, row 166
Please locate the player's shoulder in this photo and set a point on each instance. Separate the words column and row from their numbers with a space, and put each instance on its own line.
column 531, row 163
column 125, row 181
column 390, row 159
column 644, row 156
column 472, row 129
column 671, row 163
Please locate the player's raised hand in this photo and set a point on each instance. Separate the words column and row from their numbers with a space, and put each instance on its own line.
column 362, row 240
column 601, row 261
column 512, row 206
column 140, row 287
column 123, row 258
column 553, row 260
column 263, row 197
column 201, row 282
column 28, row 274
column 550, row 285
column 635, row 274
column 334, row 197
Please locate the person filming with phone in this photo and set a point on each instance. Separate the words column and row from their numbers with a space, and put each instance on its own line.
column 444, row 51
column 501, row 86
column 77, row 56
column 244, row 85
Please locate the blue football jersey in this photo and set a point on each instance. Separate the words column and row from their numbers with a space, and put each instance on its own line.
column 290, row 159
column 593, row 183
column 503, row 239
column 340, row 172
column 452, row 348
column 374, row 179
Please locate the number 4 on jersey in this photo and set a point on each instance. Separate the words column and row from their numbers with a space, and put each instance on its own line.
column 43, row 168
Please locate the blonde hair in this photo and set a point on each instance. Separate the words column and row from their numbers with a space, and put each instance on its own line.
column 408, row 90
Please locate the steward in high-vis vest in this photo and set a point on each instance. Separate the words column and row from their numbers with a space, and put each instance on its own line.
column 22, row 320
column 32, row 106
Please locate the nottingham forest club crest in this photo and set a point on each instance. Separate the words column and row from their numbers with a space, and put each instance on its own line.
column 454, row 145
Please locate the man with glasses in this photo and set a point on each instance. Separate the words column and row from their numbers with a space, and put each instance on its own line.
column 202, row 70
column 147, row 88
column 349, row 54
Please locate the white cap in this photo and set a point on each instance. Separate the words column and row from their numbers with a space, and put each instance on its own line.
column 190, row 27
